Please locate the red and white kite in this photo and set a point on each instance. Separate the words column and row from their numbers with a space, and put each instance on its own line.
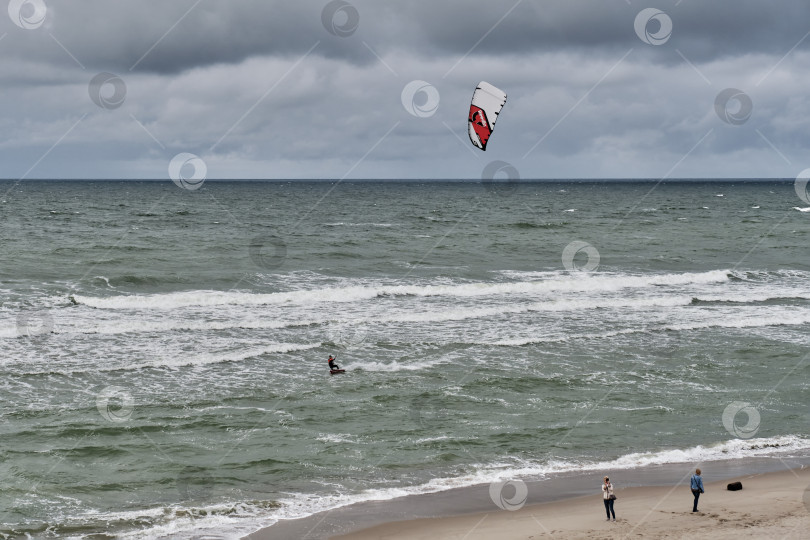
column 487, row 102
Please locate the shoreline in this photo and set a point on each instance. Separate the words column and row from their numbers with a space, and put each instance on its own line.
column 574, row 494
column 769, row 506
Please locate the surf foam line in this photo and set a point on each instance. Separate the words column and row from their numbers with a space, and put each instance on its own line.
column 563, row 282
column 176, row 521
column 164, row 360
column 76, row 326
column 725, row 322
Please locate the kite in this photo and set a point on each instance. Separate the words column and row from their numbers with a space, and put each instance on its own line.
column 487, row 102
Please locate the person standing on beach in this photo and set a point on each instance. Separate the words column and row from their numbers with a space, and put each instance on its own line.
column 697, row 488
column 609, row 498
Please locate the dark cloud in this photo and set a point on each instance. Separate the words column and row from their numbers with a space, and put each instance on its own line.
column 230, row 82
column 169, row 37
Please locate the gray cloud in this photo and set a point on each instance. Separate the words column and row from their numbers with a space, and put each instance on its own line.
column 231, row 82
column 175, row 36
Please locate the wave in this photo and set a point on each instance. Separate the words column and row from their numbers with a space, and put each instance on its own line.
column 758, row 276
column 161, row 359
column 462, row 313
column 395, row 366
column 235, row 356
column 520, row 342
column 181, row 325
column 457, row 314
column 531, row 225
column 743, row 322
column 224, row 521
column 626, row 305
column 344, row 224
column 748, row 298
column 580, row 282
column 724, row 322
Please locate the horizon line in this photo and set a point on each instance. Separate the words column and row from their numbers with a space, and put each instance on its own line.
column 466, row 180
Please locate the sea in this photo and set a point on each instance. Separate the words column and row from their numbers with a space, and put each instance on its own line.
column 164, row 351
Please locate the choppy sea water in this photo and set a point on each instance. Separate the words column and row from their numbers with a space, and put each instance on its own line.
column 164, row 352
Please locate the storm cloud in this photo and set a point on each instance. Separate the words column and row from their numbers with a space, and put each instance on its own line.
column 273, row 90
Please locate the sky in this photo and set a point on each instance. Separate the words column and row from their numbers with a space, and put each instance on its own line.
column 310, row 89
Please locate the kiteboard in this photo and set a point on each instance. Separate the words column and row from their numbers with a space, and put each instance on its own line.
column 336, row 371
column 486, row 105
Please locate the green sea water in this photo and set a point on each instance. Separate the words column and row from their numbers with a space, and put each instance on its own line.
column 164, row 351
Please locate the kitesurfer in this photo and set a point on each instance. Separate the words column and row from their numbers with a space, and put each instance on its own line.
column 332, row 365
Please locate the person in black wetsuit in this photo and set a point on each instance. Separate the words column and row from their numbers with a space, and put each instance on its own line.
column 332, row 365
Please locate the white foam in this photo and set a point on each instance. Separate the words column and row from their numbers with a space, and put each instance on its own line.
column 730, row 449
column 337, row 438
column 161, row 359
column 344, row 224
column 234, row 356
column 785, row 319
column 396, row 366
column 756, row 296
column 519, row 342
column 207, row 298
column 440, row 315
column 722, row 321
column 162, row 326
column 225, row 521
column 562, row 282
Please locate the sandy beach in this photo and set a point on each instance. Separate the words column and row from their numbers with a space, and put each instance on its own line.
column 771, row 505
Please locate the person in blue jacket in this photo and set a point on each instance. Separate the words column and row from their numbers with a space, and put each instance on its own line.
column 697, row 488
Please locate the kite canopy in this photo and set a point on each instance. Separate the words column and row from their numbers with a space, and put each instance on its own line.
column 487, row 102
